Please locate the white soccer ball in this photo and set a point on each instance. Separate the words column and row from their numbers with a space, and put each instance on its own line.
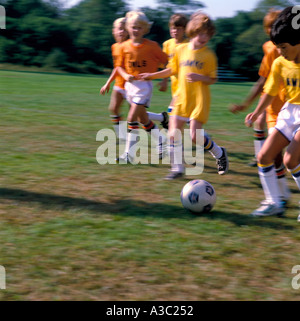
column 198, row 196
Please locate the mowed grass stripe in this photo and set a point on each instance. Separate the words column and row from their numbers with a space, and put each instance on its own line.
column 74, row 230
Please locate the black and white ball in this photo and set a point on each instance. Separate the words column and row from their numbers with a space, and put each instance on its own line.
column 198, row 196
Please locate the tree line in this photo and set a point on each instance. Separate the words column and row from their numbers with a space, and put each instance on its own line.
column 41, row 33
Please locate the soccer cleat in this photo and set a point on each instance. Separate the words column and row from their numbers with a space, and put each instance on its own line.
column 223, row 163
column 173, row 175
column 253, row 162
column 284, row 202
column 165, row 122
column 267, row 209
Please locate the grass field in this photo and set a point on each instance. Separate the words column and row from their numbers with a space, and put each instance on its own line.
column 72, row 229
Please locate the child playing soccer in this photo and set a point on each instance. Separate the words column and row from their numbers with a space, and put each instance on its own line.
column 285, row 70
column 196, row 67
column 177, row 25
column 271, row 113
column 118, row 94
column 138, row 55
column 270, row 54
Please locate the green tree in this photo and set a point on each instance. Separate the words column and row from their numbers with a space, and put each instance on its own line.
column 91, row 22
column 265, row 5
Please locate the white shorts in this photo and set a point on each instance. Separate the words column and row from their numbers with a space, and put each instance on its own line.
column 139, row 92
column 120, row 90
column 288, row 121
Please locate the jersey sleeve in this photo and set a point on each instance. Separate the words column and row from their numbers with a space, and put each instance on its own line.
column 115, row 54
column 119, row 57
column 266, row 63
column 272, row 85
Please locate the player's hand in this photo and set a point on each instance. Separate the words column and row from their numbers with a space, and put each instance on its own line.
column 130, row 78
column 104, row 89
column 250, row 119
column 162, row 86
column 192, row 77
column 144, row 76
column 237, row 108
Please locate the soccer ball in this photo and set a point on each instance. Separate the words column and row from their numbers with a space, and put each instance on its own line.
column 198, row 196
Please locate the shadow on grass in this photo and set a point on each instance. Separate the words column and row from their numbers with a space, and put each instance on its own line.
column 130, row 207
column 240, row 157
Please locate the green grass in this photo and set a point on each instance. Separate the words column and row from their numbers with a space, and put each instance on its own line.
column 72, row 229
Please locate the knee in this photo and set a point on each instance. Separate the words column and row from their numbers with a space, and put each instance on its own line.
column 264, row 159
column 113, row 109
column 289, row 161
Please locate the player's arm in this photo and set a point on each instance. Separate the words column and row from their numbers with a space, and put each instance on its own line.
column 111, row 78
column 165, row 73
column 256, row 90
column 124, row 74
column 263, row 103
column 163, row 85
column 193, row 77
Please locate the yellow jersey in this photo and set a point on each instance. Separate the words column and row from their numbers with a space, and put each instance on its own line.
column 287, row 73
column 193, row 98
column 169, row 47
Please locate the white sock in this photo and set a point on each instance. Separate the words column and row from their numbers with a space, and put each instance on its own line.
column 212, row 147
column 156, row 117
column 282, row 183
column 133, row 131
column 122, row 130
column 296, row 174
column 259, row 139
column 176, row 157
column 269, row 182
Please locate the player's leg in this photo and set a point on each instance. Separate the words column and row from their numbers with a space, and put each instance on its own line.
column 272, row 112
column 292, row 160
column 132, row 135
column 176, row 125
column 162, row 117
column 259, row 136
column 116, row 100
column 219, row 153
column 280, row 170
column 151, row 128
column 273, row 145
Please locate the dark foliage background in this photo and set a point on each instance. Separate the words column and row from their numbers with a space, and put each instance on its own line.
column 42, row 33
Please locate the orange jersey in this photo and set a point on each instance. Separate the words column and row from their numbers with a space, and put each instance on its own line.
column 270, row 54
column 146, row 57
column 115, row 48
